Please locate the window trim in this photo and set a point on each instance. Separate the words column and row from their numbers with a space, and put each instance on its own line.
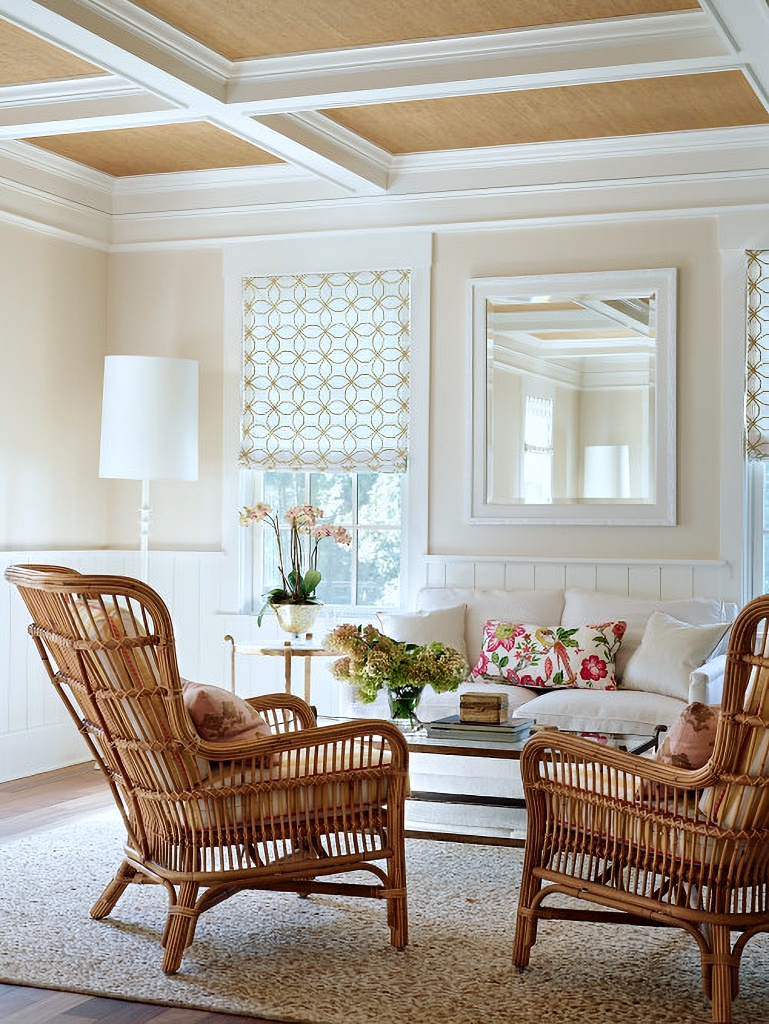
column 328, row 251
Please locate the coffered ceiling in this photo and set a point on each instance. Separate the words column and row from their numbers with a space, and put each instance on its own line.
column 349, row 93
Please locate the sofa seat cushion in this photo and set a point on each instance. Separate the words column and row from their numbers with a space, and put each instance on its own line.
column 438, row 705
column 627, row 712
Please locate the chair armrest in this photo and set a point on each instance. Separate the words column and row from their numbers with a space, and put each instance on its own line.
column 554, row 762
column 283, row 712
column 376, row 744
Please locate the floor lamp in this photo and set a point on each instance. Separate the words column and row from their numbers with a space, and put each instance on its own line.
column 149, row 426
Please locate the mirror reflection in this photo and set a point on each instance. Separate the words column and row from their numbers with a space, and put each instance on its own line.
column 573, row 379
column 571, row 396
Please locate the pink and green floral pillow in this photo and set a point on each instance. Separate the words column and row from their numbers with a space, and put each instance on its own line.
column 550, row 656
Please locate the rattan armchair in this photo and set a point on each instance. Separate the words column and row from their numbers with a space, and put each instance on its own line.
column 656, row 844
column 206, row 820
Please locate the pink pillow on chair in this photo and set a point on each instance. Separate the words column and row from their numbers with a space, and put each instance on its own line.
column 689, row 741
column 219, row 715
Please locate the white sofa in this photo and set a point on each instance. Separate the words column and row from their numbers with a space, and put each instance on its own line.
column 665, row 661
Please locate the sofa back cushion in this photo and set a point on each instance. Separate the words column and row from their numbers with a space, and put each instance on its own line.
column 582, row 606
column 540, row 606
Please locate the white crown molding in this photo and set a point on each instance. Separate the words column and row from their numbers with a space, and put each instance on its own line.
column 65, row 172
column 744, row 26
column 90, row 87
column 33, row 223
column 630, row 146
column 521, row 206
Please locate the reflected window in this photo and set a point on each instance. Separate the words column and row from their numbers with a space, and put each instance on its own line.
column 537, row 465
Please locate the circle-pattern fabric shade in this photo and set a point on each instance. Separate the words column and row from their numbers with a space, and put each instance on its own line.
column 326, row 371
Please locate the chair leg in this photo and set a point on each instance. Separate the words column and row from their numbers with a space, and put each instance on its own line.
column 526, row 920
column 721, row 974
column 106, row 902
column 180, row 926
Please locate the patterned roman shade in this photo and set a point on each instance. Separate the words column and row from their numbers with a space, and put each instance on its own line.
column 326, row 371
column 757, row 370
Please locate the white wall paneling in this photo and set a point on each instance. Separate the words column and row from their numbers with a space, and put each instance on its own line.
column 642, row 578
column 36, row 733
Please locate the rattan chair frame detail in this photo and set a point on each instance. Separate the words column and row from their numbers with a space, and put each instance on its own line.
column 289, row 812
column 653, row 844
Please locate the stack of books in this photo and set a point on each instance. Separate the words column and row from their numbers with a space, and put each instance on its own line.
column 501, row 732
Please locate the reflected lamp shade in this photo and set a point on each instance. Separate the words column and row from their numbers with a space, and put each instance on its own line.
column 606, row 471
column 149, row 427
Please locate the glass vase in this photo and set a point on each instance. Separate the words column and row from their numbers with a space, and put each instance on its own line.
column 403, row 702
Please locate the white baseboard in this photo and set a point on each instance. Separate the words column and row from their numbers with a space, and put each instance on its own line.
column 41, row 750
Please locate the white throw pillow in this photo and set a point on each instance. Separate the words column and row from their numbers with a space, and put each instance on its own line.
column 445, row 625
column 669, row 652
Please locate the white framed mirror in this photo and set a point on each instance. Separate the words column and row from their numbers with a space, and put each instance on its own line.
column 573, row 398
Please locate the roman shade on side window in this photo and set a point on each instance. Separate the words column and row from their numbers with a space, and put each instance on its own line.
column 326, row 372
column 757, row 369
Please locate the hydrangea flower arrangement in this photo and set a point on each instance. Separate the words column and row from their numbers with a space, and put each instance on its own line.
column 373, row 661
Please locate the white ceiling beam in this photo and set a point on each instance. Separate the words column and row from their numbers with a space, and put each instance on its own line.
column 74, row 105
column 745, row 25
column 82, row 29
column 643, row 47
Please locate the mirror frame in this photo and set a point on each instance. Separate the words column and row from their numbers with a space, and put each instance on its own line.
column 662, row 511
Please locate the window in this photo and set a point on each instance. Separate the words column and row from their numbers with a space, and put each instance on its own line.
column 369, row 505
column 325, row 417
column 537, row 467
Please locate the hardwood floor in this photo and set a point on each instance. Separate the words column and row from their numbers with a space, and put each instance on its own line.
column 32, row 805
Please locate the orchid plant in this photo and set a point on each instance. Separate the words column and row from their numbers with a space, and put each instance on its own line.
column 299, row 583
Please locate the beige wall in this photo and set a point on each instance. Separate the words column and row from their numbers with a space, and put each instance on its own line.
column 690, row 245
column 65, row 306
column 53, row 302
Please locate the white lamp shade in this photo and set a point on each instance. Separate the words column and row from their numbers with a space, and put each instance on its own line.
column 606, row 471
column 149, row 425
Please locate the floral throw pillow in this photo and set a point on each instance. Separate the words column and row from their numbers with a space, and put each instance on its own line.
column 550, row 656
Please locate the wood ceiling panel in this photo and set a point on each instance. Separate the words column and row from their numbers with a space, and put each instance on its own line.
column 256, row 28
column 24, row 58
column 158, row 149
column 679, row 103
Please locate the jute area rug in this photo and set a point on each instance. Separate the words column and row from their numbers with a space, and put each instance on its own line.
column 327, row 960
